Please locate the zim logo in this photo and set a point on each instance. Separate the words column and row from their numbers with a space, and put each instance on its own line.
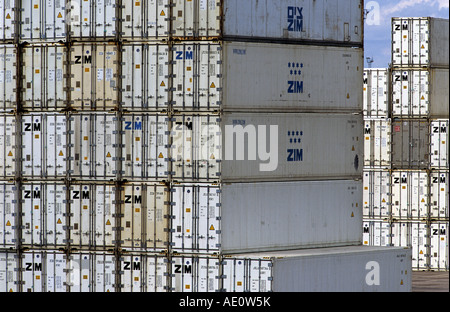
column 188, row 55
column 295, row 154
column 183, row 269
column 87, row 59
column 295, row 18
column 137, row 125
column 403, row 180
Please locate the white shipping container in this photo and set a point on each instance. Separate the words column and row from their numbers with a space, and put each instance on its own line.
column 91, row 272
column 93, row 146
column 8, row 213
column 376, row 92
column 420, row 42
column 338, row 22
column 92, row 215
column 43, row 20
column 145, row 141
column 377, row 143
column 376, row 233
column 439, row 195
column 376, row 193
column 145, row 76
column 8, row 155
column 341, row 269
column 44, row 77
column 416, row 236
column 195, row 274
column 7, row 18
column 439, row 246
column 44, row 145
column 93, row 19
column 288, row 215
column 410, row 144
column 440, row 136
column 304, row 144
column 410, row 194
column 144, row 273
column 420, row 93
column 94, row 73
column 43, row 215
column 213, row 76
column 9, row 273
column 8, row 77
column 145, row 221
column 195, row 220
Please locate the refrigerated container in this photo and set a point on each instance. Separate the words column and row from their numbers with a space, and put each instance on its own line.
column 260, row 217
column 376, row 92
column 420, row 42
column 439, row 144
column 439, row 195
column 420, row 93
column 410, row 144
column 377, row 193
column 9, row 271
column 8, row 155
column 439, row 246
column 414, row 235
column 44, row 77
column 377, row 143
column 8, row 77
column 376, row 232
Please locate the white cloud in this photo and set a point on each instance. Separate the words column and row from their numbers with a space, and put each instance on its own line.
column 405, row 4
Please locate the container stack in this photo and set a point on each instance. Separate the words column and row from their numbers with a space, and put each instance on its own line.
column 406, row 187
column 152, row 145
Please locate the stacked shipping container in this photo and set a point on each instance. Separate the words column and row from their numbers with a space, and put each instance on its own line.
column 114, row 175
column 406, row 187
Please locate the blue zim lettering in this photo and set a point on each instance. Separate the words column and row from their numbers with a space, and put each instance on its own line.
column 295, row 155
column 189, row 55
column 295, row 87
column 137, row 125
column 295, row 19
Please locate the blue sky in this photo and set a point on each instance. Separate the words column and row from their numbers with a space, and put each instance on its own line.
column 378, row 26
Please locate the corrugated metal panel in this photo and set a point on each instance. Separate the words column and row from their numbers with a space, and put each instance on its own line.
column 44, row 144
column 376, row 194
column 145, row 221
column 92, row 210
column 440, row 136
column 414, row 235
column 410, row 144
column 145, row 76
column 376, row 233
column 196, row 216
column 7, row 18
column 44, row 77
column 145, row 141
column 93, row 146
column 8, row 156
column 9, row 272
column 439, row 246
column 308, row 78
column 276, row 216
column 377, row 143
column 8, row 77
column 43, row 20
column 439, row 195
column 376, row 92
column 94, row 73
column 409, row 195
column 8, row 213
column 420, row 42
column 420, row 93
column 305, row 142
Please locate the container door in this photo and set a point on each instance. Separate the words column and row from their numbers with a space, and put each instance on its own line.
column 183, row 218
column 8, row 204
column 104, row 215
column 55, row 26
column 34, row 72
column 418, row 204
column 401, row 234
column 134, row 128
column 439, row 144
column 439, row 247
column 55, row 272
column 208, row 218
column 401, row 184
column 7, row 18
column 183, row 22
column 8, row 272
column 420, row 251
column 400, row 93
column 156, row 226
column 157, row 154
column 158, row 18
column 260, row 275
column 132, row 275
column 80, row 273
column 182, row 274
column 381, row 195
column 8, row 141
column 207, row 275
column 82, row 79
column 133, row 76
column 184, row 70
column 420, row 42
column 105, row 146
column 132, row 233
column 439, row 200
column 81, row 199
column 32, row 275
column 31, row 20
column 81, row 142
column 376, row 233
column 55, row 145
column 107, row 71
column 104, row 266
column 157, row 78
column 56, row 95
column 7, row 78
column 156, row 274
column 33, row 206
column 233, row 275
column 55, row 221
column 133, row 18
